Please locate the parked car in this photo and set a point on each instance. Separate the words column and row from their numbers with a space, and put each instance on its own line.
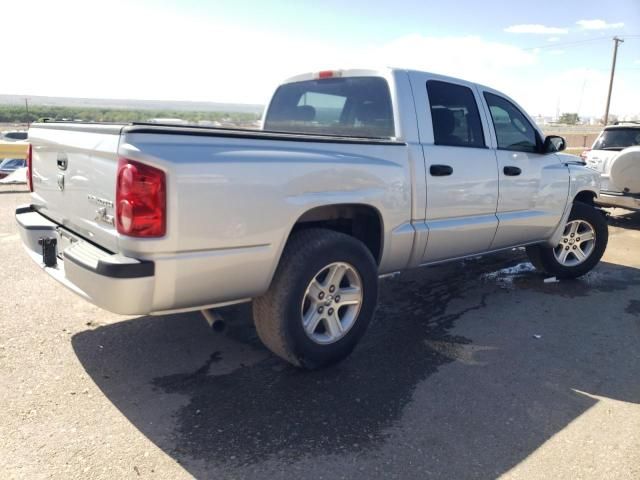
column 616, row 156
column 10, row 165
column 356, row 174
column 14, row 136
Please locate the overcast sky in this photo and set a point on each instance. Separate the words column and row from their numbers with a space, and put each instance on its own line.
column 548, row 55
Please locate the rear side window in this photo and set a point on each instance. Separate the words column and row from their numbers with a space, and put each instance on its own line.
column 617, row 139
column 349, row 106
column 455, row 116
column 513, row 130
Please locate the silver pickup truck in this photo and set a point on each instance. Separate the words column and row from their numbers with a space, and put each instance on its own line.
column 355, row 174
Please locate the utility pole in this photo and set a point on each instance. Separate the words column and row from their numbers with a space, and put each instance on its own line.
column 616, row 41
column 26, row 106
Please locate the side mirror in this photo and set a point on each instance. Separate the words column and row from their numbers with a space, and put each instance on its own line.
column 554, row 143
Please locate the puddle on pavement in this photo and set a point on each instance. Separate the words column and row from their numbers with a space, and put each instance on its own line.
column 505, row 277
column 604, row 278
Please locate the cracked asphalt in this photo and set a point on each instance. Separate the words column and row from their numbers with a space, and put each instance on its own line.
column 473, row 369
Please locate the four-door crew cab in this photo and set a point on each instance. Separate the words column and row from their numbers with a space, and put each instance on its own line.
column 355, row 174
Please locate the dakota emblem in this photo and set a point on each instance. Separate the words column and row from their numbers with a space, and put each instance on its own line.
column 103, row 202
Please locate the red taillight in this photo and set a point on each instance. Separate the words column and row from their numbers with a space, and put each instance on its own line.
column 329, row 74
column 140, row 200
column 30, row 168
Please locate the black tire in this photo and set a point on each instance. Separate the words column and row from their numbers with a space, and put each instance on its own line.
column 543, row 257
column 533, row 252
column 277, row 314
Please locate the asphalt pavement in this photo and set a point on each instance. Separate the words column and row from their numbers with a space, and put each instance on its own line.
column 473, row 369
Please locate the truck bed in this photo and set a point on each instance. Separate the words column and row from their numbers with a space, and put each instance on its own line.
column 233, row 195
column 158, row 128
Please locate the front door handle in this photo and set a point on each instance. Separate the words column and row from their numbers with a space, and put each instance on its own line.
column 512, row 171
column 440, row 170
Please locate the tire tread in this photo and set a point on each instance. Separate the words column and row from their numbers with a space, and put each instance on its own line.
column 270, row 310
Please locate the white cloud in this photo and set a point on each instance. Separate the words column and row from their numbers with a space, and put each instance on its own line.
column 467, row 57
column 163, row 55
column 556, row 51
column 597, row 24
column 553, row 39
column 537, row 29
column 581, row 90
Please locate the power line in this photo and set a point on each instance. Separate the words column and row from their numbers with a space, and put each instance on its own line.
column 578, row 42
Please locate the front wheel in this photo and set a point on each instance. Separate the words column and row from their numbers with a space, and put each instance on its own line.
column 321, row 300
column 581, row 246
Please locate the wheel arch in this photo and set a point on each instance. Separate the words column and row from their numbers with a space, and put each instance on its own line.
column 361, row 221
column 585, row 196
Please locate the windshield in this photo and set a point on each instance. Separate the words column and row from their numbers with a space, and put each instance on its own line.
column 617, row 139
column 351, row 106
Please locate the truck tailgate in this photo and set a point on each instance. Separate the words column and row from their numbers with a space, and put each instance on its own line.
column 74, row 177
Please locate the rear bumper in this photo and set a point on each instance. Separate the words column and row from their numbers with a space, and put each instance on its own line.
column 157, row 284
column 113, row 282
column 621, row 200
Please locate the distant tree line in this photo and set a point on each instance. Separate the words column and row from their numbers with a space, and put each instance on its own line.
column 569, row 118
column 18, row 114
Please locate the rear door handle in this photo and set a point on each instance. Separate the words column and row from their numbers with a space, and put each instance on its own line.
column 440, row 170
column 512, row 171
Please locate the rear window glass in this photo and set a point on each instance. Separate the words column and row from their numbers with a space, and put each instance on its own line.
column 617, row 139
column 351, row 106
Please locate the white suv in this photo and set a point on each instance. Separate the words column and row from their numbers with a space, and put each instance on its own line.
column 616, row 155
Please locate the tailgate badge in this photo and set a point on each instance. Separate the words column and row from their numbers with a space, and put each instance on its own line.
column 61, row 181
column 102, row 216
column 101, row 213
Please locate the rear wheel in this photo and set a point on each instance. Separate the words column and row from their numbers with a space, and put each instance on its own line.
column 321, row 300
column 583, row 242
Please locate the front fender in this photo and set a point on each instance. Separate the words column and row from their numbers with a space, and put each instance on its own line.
column 581, row 179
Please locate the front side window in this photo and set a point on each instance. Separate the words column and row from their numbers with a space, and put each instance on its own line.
column 344, row 106
column 513, row 130
column 454, row 114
